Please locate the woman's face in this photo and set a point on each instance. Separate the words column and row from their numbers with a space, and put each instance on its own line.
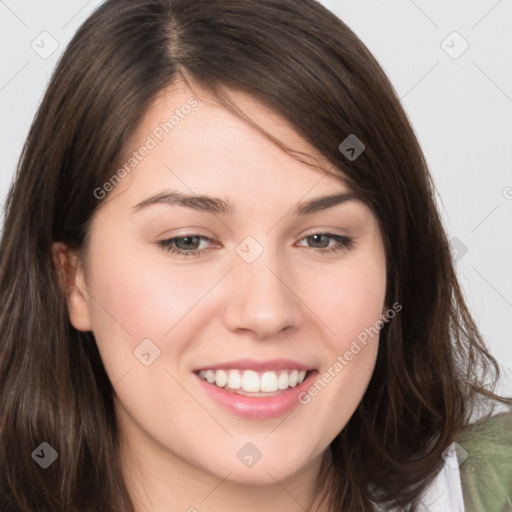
column 254, row 287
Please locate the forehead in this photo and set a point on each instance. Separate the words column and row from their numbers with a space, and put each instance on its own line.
column 211, row 116
column 187, row 140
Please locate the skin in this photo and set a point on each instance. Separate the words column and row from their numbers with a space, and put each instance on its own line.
column 294, row 301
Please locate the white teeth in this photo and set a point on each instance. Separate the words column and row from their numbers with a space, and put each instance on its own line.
column 234, row 379
column 268, row 382
column 283, row 381
column 250, row 381
column 221, row 378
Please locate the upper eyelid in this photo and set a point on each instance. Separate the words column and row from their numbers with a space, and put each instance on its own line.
column 210, row 239
column 326, row 230
column 198, row 235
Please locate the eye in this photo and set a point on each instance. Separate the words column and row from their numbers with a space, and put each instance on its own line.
column 321, row 242
column 188, row 245
column 193, row 245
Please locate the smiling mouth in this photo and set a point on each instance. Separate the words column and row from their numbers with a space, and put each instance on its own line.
column 252, row 383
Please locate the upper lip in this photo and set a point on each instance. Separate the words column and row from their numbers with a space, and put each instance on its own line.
column 257, row 366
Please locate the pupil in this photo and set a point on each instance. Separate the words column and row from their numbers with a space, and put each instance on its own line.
column 317, row 239
column 187, row 242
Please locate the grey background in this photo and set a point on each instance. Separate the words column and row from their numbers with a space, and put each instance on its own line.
column 459, row 105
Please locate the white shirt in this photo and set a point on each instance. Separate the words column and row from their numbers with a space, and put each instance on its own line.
column 445, row 492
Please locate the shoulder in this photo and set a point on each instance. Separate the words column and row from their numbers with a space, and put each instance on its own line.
column 485, row 463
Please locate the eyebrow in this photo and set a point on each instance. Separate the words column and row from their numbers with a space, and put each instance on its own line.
column 216, row 205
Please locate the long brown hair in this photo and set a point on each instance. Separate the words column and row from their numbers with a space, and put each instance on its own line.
column 299, row 59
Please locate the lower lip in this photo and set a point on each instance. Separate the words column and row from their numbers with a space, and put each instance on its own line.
column 258, row 407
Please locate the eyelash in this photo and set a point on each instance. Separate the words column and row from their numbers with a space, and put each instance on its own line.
column 343, row 243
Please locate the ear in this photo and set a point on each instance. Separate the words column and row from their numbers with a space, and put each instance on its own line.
column 72, row 282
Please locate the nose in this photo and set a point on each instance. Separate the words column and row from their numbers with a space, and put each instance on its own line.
column 261, row 298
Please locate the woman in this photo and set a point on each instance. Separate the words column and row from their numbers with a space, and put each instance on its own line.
column 224, row 280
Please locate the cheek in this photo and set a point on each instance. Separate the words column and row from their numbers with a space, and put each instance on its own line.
column 133, row 301
column 350, row 304
column 351, row 299
column 351, row 311
column 137, row 290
